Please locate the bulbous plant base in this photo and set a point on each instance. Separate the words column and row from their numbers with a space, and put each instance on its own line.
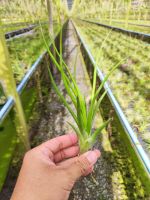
column 85, row 144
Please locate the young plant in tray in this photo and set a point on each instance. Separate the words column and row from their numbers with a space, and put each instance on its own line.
column 82, row 113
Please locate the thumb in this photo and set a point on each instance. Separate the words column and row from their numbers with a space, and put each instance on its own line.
column 83, row 164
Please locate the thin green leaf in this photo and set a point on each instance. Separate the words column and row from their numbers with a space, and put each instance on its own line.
column 95, row 66
column 94, row 82
column 62, row 97
column 58, row 66
column 93, row 112
column 98, row 130
column 79, row 116
column 96, row 107
column 75, row 129
column 82, row 103
column 98, row 91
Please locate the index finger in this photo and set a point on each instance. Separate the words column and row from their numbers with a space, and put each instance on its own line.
column 61, row 142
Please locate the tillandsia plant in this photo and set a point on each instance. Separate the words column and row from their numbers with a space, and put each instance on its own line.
column 84, row 114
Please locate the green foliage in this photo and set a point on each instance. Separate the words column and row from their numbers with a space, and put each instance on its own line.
column 84, row 114
column 28, row 10
column 18, row 10
column 9, row 87
column 114, row 12
column 25, row 50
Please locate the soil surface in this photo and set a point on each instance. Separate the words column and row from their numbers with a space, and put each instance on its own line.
column 114, row 177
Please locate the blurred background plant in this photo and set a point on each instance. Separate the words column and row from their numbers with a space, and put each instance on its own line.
column 9, row 87
column 29, row 10
column 126, row 13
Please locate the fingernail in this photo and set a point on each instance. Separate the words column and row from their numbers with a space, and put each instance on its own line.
column 92, row 157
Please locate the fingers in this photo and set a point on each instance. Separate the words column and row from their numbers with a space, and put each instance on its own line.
column 66, row 153
column 61, row 142
column 67, row 163
column 83, row 164
column 70, row 161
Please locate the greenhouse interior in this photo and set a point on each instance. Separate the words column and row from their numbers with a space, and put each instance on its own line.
column 75, row 99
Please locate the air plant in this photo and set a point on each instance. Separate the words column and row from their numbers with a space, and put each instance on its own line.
column 84, row 114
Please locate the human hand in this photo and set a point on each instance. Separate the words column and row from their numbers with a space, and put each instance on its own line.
column 50, row 170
